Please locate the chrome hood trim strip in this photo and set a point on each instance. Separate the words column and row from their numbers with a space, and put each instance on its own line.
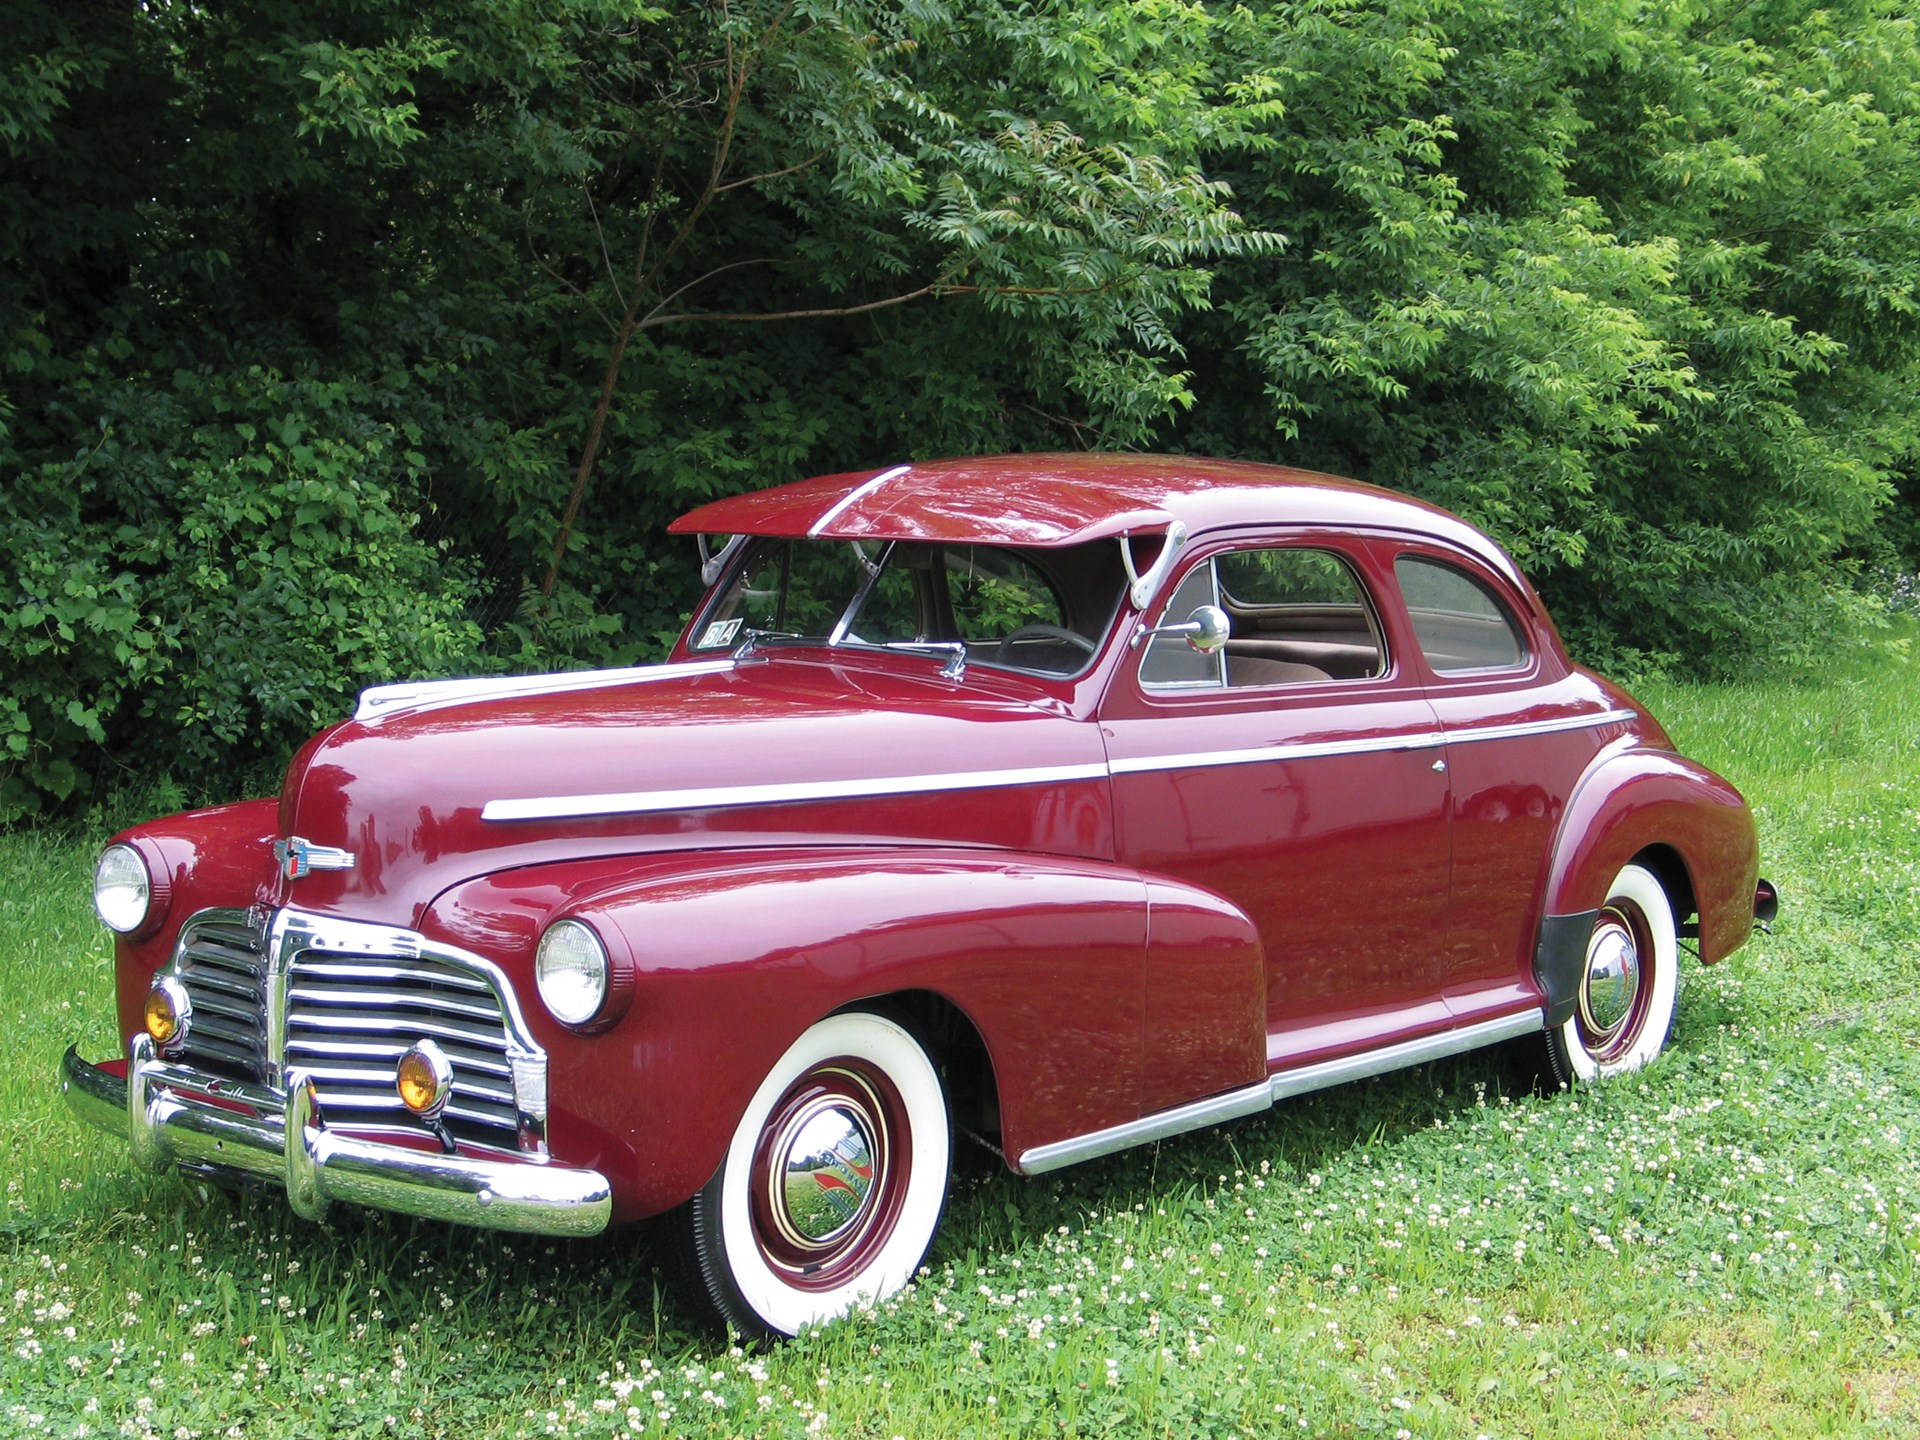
column 384, row 700
column 717, row 797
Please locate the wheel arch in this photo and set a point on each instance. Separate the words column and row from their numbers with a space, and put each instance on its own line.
column 959, row 1050
column 1669, row 867
column 1691, row 826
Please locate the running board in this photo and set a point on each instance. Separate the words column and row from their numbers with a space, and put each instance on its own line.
column 1217, row 1109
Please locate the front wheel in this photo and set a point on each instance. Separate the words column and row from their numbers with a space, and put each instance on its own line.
column 1628, row 984
column 832, row 1186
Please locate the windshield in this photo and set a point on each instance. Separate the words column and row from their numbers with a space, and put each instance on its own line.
column 1040, row 611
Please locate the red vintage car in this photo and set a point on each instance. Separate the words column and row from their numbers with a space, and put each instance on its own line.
column 1070, row 801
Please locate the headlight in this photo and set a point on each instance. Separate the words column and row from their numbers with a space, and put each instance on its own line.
column 122, row 889
column 572, row 971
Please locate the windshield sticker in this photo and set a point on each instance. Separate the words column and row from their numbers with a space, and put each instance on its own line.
column 721, row 632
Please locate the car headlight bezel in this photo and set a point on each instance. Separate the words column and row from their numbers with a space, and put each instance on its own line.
column 583, row 982
column 129, row 895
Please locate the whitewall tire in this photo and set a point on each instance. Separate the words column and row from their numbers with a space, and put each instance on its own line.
column 832, row 1185
column 1629, row 981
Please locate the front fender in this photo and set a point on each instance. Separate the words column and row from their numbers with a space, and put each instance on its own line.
column 736, row 954
column 1634, row 799
column 218, row 856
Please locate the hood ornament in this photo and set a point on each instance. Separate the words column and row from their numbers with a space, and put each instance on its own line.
column 299, row 857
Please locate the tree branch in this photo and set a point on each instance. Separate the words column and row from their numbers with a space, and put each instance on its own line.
column 935, row 290
column 773, row 174
column 533, row 253
column 646, row 278
column 648, row 321
column 600, row 234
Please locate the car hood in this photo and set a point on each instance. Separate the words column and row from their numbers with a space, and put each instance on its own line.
column 467, row 780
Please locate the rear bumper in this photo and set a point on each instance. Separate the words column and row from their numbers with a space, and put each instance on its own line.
column 174, row 1116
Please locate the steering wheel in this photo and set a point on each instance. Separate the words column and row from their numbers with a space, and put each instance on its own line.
column 1003, row 652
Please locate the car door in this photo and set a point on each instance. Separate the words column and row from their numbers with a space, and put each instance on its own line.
column 1299, row 774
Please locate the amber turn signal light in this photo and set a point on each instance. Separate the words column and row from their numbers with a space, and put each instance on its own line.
column 424, row 1080
column 169, row 1012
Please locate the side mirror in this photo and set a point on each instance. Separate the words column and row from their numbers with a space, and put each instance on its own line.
column 1206, row 629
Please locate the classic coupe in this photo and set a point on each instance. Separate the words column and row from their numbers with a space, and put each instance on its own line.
column 1068, row 802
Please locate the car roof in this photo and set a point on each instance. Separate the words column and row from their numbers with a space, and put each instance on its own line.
column 1055, row 500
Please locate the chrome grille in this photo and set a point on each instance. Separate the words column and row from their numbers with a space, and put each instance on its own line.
column 343, row 1001
column 350, row 1017
column 222, row 962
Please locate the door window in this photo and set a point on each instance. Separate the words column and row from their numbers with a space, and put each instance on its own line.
column 1296, row 616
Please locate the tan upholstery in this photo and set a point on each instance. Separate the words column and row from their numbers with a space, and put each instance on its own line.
column 1259, row 670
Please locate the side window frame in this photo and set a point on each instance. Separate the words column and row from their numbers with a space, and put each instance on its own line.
column 1173, row 611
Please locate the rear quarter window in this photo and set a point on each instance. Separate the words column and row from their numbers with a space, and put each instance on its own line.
column 1460, row 623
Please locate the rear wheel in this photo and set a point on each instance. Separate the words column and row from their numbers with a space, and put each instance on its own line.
column 1628, row 984
column 832, row 1186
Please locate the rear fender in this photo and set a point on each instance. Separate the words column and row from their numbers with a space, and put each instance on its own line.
column 735, row 956
column 1634, row 799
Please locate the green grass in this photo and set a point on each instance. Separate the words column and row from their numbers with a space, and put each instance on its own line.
column 1727, row 1245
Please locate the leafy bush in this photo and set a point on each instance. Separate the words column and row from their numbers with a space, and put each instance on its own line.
column 210, row 581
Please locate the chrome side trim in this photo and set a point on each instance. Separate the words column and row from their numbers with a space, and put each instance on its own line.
column 1539, row 727
column 1408, row 1053
column 1179, row 1120
column 854, row 496
column 1305, row 750
column 1313, row 750
column 653, row 802
column 382, row 700
column 1255, row 1098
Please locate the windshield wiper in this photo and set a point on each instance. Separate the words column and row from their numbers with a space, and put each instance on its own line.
column 757, row 640
column 954, row 650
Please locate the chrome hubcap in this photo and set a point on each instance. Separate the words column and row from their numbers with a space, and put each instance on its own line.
column 825, row 1169
column 1612, row 981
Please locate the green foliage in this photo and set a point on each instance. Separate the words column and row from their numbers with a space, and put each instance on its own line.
column 1577, row 273
column 258, row 560
column 1635, row 284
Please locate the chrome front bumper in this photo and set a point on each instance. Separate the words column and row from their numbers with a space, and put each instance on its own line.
column 175, row 1116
